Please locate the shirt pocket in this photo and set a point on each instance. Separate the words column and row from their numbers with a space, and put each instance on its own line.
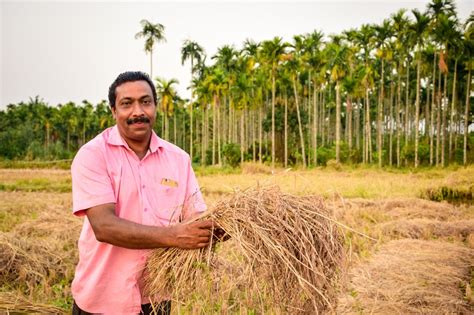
column 168, row 204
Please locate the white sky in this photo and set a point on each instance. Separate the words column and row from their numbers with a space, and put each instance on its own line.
column 70, row 51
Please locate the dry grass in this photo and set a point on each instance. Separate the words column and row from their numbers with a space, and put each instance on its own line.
column 38, row 250
column 412, row 276
column 382, row 204
column 428, row 229
column 12, row 303
column 290, row 248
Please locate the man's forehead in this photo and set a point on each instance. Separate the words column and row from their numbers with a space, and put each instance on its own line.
column 133, row 89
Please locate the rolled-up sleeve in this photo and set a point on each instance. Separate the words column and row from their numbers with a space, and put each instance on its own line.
column 91, row 184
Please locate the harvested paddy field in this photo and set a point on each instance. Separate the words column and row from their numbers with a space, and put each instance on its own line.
column 405, row 253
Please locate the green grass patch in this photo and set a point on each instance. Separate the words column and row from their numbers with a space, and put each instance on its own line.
column 38, row 184
column 460, row 194
column 16, row 164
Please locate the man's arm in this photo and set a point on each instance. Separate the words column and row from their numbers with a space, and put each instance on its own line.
column 109, row 228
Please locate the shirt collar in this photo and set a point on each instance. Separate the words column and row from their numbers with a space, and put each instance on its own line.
column 116, row 139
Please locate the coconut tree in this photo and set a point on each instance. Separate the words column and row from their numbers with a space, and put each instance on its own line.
column 294, row 65
column 443, row 15
column 418, row 29
column 152, row 33
column 250, row 54
column 272, row 52
column 383, row 35
column 400, row 26
column 193, row 52
column 469, row 52
column 226, row 58
column 364, row 40
column 315, row 59
column 166, row 94
column 337, row 61
column 457, row 50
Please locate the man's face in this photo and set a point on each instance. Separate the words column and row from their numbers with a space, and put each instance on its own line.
column 135, row 111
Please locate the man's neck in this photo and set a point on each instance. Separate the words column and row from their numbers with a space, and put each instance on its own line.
column 140, row 148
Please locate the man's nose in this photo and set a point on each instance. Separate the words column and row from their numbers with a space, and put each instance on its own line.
column 137, row 109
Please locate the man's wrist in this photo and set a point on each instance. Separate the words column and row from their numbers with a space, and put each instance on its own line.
column 169, row 237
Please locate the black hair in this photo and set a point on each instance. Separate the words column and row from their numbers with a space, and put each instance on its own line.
column 129, row 76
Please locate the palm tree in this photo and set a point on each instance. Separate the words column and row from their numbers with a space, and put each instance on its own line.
column 166, row 94
column 419, row 29
column 294, row 64
column 152, row 33
column 400, row 25
column 383, row 37
column 364, row 41
column 272, row 53
column 315, row 59
column 469, row 52
column 337, row 57
column 192, row 51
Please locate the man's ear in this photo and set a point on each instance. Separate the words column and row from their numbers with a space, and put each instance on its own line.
column 112, row 109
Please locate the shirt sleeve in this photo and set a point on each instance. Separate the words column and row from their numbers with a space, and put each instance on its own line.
column 91, row 184
column 194, row 200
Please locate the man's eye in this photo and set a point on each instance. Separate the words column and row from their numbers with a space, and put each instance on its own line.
column 146, row 102
column 126, row 104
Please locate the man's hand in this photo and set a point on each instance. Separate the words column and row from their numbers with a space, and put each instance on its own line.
column 191, row 235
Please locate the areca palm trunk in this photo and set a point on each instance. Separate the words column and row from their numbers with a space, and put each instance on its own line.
column 407, row 105
column 315, row 126
column 443, row 127
column 433, row 102
column 254, row 149
column 451, row 120
column 379, row 118
column 191, row 130
column 466, row 114
column 417, row 109
column 390, row 152
column 214, row 131
column 260, row 136
column 323, row 117
column 286, row 130
column 175, row 131
column 204, row 136
column 338, row 122
column 368, row 136
column 273, row 117
column 349, row 121
column 151, row 63
column 300, row 129
column 229, row 125
column 242, row 135
column 219, row 154
column 357, row 124
column 399, row 101
column 438, row 119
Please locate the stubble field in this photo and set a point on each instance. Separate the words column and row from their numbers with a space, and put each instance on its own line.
column 406, row 253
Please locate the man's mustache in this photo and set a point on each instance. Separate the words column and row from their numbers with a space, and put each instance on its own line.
column 141, row 119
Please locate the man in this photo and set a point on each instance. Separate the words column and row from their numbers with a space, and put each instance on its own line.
column 133, row 189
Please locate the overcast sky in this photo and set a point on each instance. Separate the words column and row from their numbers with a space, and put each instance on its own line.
column 70, row 51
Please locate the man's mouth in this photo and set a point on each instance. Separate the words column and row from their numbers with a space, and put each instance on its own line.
column 138, row 120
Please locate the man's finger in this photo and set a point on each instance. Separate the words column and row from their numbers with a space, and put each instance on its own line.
column 206, row 224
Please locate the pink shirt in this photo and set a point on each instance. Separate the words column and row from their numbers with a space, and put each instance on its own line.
column 153, row 191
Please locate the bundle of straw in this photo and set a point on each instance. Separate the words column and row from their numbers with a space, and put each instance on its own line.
column 289, row 250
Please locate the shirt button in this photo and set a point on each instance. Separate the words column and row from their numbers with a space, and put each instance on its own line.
column 145, row 209
column 143, row 186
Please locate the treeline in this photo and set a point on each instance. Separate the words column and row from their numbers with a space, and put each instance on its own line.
column 392, row 94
